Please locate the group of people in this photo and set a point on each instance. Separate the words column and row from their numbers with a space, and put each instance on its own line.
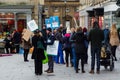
column 12, row 42
column 74, row 41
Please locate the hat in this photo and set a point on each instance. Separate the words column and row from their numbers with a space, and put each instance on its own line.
column 36, row 31
column 49, row 29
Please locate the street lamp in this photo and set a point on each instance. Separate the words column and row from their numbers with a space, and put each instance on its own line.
column 65, row 1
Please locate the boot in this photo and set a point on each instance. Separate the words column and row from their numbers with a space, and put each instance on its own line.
column 91, row 72
column 50, row 71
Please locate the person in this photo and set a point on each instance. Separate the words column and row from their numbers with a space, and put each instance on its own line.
column 72, row 42
column 8, row 43
column 43, row 31
column 16, row 40
column 106, row 34
column 26, row 46
column 86, row 44
column 114, row 40
column 96, row 36
column 50, row 41
column 67, row 48
column 80, row 48
column 60, row 55
column 119, row 32
column 38, row 52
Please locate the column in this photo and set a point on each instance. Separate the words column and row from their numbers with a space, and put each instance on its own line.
column 110, row 18
column 15, row 19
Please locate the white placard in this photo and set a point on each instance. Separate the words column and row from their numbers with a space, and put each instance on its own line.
column 32, row 25
column 53, row 49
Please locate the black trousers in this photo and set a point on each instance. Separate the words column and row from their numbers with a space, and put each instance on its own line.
column 7, row 50
column 26, row 51
column 17, row 47
column 68, row 53
column 113, row 49
column 82, row 62
column 38, row 66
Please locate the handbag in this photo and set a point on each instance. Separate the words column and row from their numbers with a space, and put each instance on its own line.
column 21, row 51
column 46, row 58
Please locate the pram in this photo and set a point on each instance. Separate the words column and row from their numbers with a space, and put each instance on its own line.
column 107, row 58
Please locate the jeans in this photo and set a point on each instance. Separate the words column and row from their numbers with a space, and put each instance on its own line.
column 60, row 55
column 50, row 62
column 95, row 52
column 74, row 57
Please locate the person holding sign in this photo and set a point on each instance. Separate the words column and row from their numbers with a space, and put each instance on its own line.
column 50, row 41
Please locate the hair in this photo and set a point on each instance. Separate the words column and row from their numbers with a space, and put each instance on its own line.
column 79, row 29
column 59, row 29
column 113, row 27
column 84, row 29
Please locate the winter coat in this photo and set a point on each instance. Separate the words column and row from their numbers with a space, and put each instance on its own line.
column 7, row 42
column 96, row 36
column 59, row 37
column 25, row 44
column 114, row 39
column 50, row 39
column 66, row 41
column 106, row 35
column 16, row 38
column 80, row 47
column 38, row 53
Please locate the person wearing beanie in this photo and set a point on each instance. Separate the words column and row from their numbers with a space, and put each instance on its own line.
column 50, row 41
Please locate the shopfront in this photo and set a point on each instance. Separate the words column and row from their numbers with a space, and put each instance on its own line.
column 14, row 17
column 110, row 14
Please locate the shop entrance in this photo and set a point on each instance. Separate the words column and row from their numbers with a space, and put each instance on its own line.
column 8, row 22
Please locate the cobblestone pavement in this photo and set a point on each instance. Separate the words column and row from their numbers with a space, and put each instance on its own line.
column 13, row 68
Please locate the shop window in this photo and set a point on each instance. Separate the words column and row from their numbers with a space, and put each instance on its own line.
column 21, row 24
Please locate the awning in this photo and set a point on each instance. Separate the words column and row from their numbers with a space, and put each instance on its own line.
column 99, row 11
column 90, row 13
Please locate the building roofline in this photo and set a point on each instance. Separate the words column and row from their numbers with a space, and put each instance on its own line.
column 16, row 6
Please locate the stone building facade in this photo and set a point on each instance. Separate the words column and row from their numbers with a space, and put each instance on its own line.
column 66, row 10
column 103, row 10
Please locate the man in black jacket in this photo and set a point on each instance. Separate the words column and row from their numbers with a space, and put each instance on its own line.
column 96, row 36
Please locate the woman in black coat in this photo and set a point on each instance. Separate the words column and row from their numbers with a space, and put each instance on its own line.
column 80, row 48
column 38, row 52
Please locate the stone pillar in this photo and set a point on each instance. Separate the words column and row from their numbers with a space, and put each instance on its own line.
column 40, row 12
column 28, row 18
column 15, row 19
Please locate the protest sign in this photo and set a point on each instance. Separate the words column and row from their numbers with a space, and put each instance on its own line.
column 53, row 49
column 32, row 25
column 26, row 34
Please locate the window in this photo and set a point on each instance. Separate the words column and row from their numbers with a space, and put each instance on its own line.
column 67, row 10
column 56, row 9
